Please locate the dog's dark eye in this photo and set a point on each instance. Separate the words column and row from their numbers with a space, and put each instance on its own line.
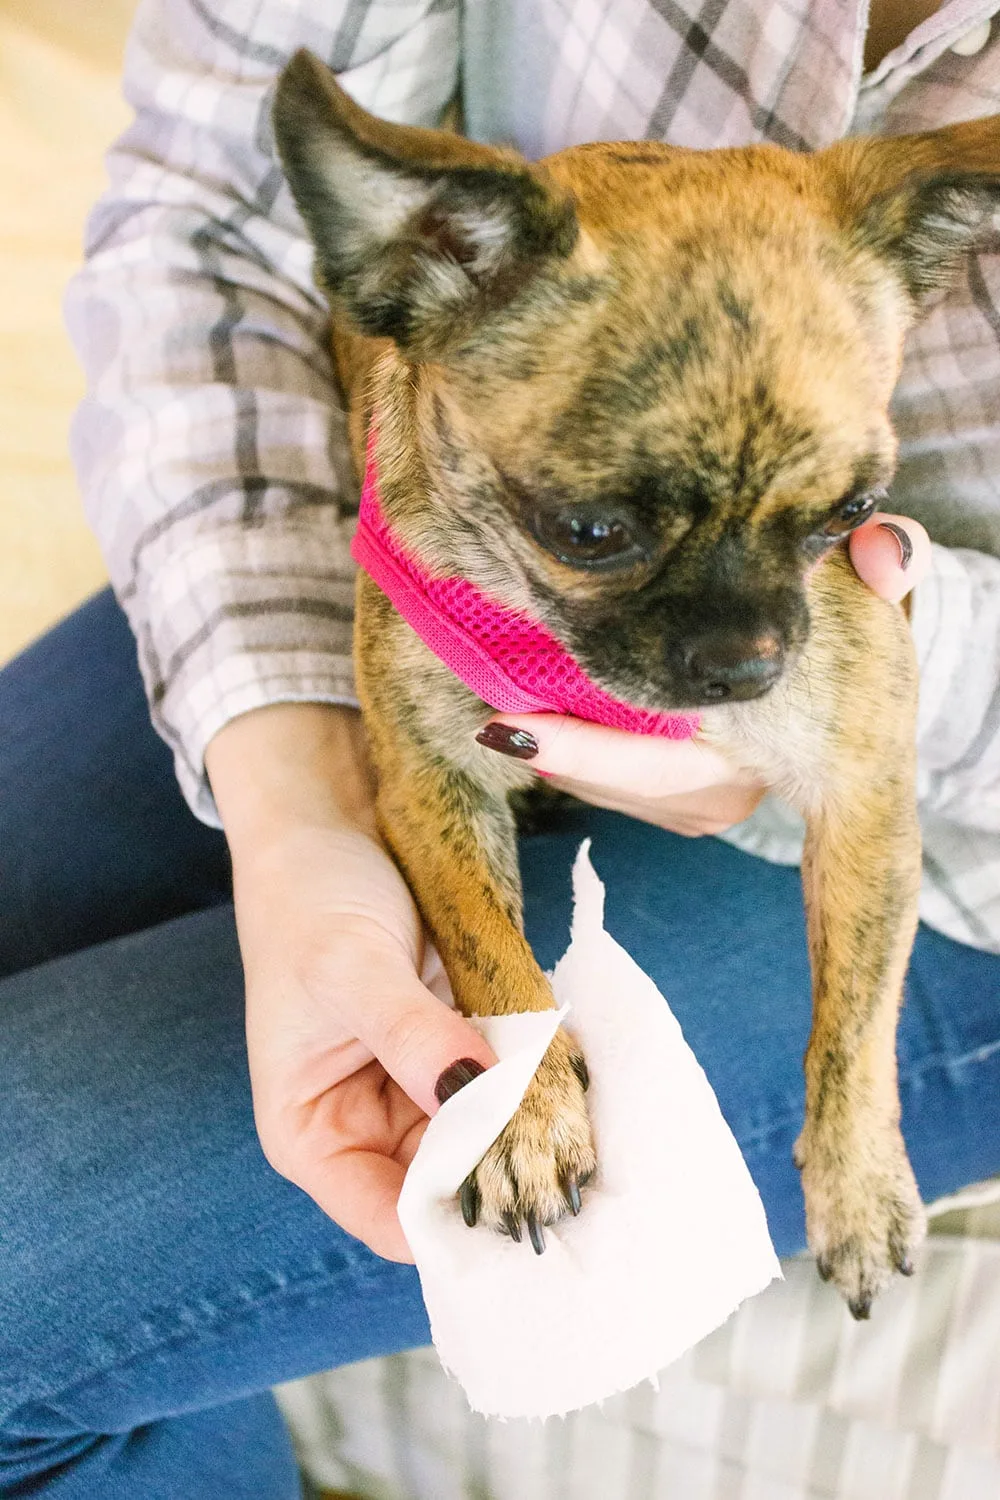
column 584, row 538
column 853, row 511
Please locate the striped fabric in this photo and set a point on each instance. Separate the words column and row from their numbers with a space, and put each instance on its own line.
column 210, row 449
column 789, row 1400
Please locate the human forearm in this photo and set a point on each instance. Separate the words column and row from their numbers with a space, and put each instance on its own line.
column 290, row 763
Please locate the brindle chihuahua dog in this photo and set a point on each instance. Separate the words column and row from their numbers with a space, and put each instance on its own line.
column 641, row 394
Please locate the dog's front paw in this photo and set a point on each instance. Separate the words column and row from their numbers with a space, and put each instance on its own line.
column 864, row 1217
column 533, row 1172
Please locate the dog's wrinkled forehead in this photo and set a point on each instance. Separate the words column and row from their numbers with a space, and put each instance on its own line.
column 731, row 315
column 729, row 342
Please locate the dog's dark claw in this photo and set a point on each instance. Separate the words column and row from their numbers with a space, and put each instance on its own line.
column 581, row 1070
column 861, row 1307
column 513, row 1227
column 571, row 1188
column 824, row 1268
column 468, row 1197
column 535, row 1233
column 906, row 1267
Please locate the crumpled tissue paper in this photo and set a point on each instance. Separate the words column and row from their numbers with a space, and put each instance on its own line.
column 672, row 1237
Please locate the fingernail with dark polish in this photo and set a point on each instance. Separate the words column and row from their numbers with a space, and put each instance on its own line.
column 456, row 1077
column 902, row 541
column 508, row 740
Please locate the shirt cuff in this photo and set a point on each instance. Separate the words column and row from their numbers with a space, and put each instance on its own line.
column 241, row 619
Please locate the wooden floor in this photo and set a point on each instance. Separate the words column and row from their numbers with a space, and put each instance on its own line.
column 60, row 106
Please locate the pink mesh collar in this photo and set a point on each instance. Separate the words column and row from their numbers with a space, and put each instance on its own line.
column 505, row 657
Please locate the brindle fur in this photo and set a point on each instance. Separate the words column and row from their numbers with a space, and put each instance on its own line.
column 711, row 338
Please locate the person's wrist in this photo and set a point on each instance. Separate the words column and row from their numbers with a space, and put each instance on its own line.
column 291, row 765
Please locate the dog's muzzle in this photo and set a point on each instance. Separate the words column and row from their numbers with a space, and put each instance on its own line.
column 727, row 664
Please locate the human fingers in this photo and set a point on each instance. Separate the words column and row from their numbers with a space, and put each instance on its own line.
column 331, row 946
column 332, row 1114
column 712, row 810
column 378, row 997
column 891, row 554
column 359, row 1190
column 594, row 755
column 681, row 785
column 349, row 1150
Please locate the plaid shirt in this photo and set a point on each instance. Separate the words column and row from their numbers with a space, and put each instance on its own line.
column 210, row 448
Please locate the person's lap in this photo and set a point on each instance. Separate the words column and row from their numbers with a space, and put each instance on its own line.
column 155, row 1266
column 95, row 839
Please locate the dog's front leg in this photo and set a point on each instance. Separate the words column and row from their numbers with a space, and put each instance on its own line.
column 861, row 879
column 443, row 811
column 837, row 739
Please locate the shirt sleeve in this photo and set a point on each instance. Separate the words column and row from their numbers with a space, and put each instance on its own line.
column 210, row 448
column 956, row 627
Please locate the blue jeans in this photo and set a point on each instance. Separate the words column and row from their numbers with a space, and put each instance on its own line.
column 156, row 1276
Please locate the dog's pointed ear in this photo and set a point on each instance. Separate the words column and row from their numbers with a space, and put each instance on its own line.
column 416, row 231
column 920, row 201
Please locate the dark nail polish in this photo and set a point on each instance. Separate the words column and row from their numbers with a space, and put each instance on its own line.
column 902, row 541
column 508, row 740
column 456, row 1077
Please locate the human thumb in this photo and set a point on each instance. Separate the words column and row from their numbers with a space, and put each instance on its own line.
column 422, row 1042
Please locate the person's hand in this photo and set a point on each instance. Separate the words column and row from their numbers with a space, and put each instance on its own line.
column 680, row 784
column 346, row 1044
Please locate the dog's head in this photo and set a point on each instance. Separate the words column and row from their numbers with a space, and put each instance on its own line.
column 649, row 386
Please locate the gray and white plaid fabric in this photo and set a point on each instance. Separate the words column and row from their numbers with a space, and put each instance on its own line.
column 789, row 1400
column 210, row 448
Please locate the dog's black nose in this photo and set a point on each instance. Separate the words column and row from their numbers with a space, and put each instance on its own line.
column 729, row 664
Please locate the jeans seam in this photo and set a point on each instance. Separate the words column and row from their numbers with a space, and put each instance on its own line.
column 176, row 1339
column 944, row 1060
column 938, row 1060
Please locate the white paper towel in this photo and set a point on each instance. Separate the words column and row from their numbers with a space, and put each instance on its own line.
column 672, row 1237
